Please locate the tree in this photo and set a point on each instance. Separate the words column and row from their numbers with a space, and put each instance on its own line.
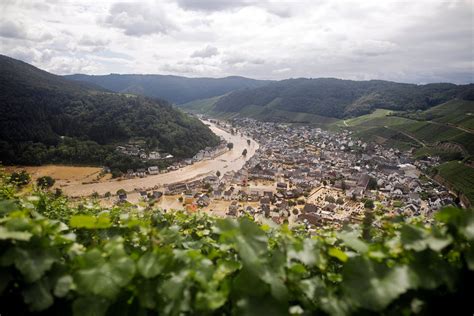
column 372, row 185
column 218, row 173
column 45, row 182
column 230, row 146
column 248, row 142
column 121, row 192
column 329, row 199
column 20, row 178
column 369, row 204
column 244, row 153
column 58, row 192
column 116, row 173
column 368, row 220
column 107, row 194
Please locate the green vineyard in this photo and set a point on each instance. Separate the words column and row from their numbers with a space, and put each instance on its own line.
column 59, row 258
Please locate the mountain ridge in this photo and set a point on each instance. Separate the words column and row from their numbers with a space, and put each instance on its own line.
column 176, row 89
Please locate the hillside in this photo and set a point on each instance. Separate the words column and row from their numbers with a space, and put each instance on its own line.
column 46, row 118
column 172, row 88
column 207, row 106
column 336, row 98
column 201, row 106
column 444, row 131
column 459, row 177
column 441, row 128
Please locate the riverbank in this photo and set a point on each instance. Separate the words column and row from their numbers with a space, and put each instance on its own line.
column 231, row 160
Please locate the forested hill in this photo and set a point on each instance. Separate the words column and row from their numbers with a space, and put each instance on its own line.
column 46, row 118
column 338, row 98
column 172, row 88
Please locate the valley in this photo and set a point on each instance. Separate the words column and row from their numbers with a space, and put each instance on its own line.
column 227, row 158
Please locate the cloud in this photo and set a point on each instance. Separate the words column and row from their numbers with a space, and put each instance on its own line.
column 373, row 48
column 11, row 29
column 138, row 19
column 415, row 41
column 282, row 70
column 206, row 52
column 87, row 40
column 213, row 5
column 240, row 59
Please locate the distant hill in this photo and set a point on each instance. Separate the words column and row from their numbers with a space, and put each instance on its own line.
column 46, row 118
column 446, row 129
column 336, row 98
column 172, row 88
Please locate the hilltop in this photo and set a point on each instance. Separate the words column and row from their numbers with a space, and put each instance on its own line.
column 46, row 118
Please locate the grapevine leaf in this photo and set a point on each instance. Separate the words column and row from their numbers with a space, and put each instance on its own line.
column 82, row 221
column 351, row 240
column 87, row 221
column 90, row 306
column 16, row 235
column 38, row 296
column 7, row 206
column 417, row 239
column 310, row 253
column 105, row 279
column 151, row 264
column 33, row 263
column 428, row 270
column 147, row 297
column 470, row 257
column 63, row 285
column 374, row 285
column 338, row 253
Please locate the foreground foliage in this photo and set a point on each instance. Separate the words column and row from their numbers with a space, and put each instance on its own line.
column 61, row 259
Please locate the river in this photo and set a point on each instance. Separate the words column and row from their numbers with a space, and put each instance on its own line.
column 231, row 160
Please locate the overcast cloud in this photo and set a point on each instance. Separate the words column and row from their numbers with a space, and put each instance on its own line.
column 408, row 41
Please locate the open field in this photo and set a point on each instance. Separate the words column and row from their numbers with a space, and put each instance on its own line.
column 64, row 175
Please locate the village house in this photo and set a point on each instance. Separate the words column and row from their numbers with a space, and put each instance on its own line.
column 153, row 170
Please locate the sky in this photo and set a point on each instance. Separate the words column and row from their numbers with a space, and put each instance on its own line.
column 416, row 41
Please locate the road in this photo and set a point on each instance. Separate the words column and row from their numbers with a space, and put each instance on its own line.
column 231, row 160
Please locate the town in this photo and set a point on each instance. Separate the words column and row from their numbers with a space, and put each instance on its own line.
column 302, row 174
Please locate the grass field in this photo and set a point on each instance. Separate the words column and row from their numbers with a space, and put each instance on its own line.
column 459, row 176
column 202, row 106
